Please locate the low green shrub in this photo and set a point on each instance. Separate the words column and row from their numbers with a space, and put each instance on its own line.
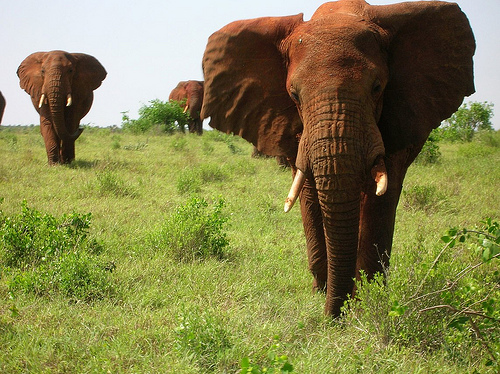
column 43, row 254
column 450, row 301
column 426, row 198
column 193, row 232
column 430, row 153
column 275, row 363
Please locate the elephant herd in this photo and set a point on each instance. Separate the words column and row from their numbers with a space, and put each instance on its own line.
column 61, row 86
column 349, row 97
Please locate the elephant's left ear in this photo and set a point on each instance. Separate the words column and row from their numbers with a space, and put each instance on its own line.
column 430, row 51
column 89, row 72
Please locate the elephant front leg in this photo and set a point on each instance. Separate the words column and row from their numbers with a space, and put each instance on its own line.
column 315, row 235
column 377, row 220
column 67, row 152
column 51, row 141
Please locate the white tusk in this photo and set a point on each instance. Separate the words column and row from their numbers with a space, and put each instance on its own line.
column 41, row 101
column 382, row 184
column 298, row 183
column 69, row 101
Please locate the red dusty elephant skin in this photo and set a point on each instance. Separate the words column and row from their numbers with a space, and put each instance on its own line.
column 192, row 93
column 61, row 86
column 351, row 96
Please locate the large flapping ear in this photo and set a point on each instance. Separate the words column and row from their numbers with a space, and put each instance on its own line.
column 430, row 68
column 30, row 74
column 245, row 84
column 89, row 73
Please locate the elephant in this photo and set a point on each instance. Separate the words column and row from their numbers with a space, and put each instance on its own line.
column 350, row 97
column 2, row 106
column 61, row 86
column 192, row 92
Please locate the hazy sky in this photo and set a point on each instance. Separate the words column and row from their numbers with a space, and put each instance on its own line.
column 148, row 46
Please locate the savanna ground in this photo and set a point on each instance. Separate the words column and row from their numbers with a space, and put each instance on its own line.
column 249, row 303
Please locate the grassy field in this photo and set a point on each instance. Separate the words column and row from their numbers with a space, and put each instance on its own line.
column 154, row 311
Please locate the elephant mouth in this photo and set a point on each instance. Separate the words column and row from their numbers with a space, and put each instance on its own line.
column 378, row 173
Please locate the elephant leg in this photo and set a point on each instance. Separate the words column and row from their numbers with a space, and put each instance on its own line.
column 315, row 235
column 378, row 216
column 67, row 152
column 51, row 140
column 198, row 126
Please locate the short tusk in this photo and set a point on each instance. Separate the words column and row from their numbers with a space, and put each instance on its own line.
column 42, row 99
column 69, row 101
column 379, row 174
column 185, row 109
column 382, row 185
column 298, row 183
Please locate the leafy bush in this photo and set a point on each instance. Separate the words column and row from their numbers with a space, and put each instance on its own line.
column 202, row 336
column 46, row 254
column 167, row 115
column 430, row 153
column 276, row 363
column 194, row 231
column 452, row 301
column 426, row 198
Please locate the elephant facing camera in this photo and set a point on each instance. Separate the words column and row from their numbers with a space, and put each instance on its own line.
column 61, row 86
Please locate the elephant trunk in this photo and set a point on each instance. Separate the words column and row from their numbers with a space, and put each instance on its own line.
column 338, row 150
column 57, row 101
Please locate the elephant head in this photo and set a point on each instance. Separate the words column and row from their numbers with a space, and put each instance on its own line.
column 350, row 97
column 192, row 93
column 2, row 106
column 61, row 87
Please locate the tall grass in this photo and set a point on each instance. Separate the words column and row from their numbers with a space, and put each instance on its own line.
column 249, row 302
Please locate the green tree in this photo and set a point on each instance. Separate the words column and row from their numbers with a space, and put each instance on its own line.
column 167, row 115
column 466, row 121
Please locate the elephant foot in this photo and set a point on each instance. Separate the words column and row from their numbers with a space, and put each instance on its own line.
column 318, row 286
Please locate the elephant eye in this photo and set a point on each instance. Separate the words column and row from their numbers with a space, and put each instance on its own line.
column 294, row 96
column 377, row 88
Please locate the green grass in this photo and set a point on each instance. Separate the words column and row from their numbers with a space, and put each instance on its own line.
column 254, row 302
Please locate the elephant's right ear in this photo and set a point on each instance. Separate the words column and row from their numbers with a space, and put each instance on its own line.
column 245, row 84
column 30, row 74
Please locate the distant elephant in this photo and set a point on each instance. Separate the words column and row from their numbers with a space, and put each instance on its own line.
column 61, row 86
column 350, row 96
column 2, row 106
column 192, row 93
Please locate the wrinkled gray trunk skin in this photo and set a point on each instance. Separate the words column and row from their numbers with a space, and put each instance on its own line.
column 334, row 146
column 60, row 144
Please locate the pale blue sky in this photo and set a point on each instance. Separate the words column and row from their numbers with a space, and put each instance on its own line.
column 148, row 46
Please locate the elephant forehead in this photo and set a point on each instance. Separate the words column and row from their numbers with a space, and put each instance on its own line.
column 338, row 34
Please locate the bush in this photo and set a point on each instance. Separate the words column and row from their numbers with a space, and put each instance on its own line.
column 48, row 255
column 168, row 116
column 194, row 231
column 430, row 153
column 452, row 300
